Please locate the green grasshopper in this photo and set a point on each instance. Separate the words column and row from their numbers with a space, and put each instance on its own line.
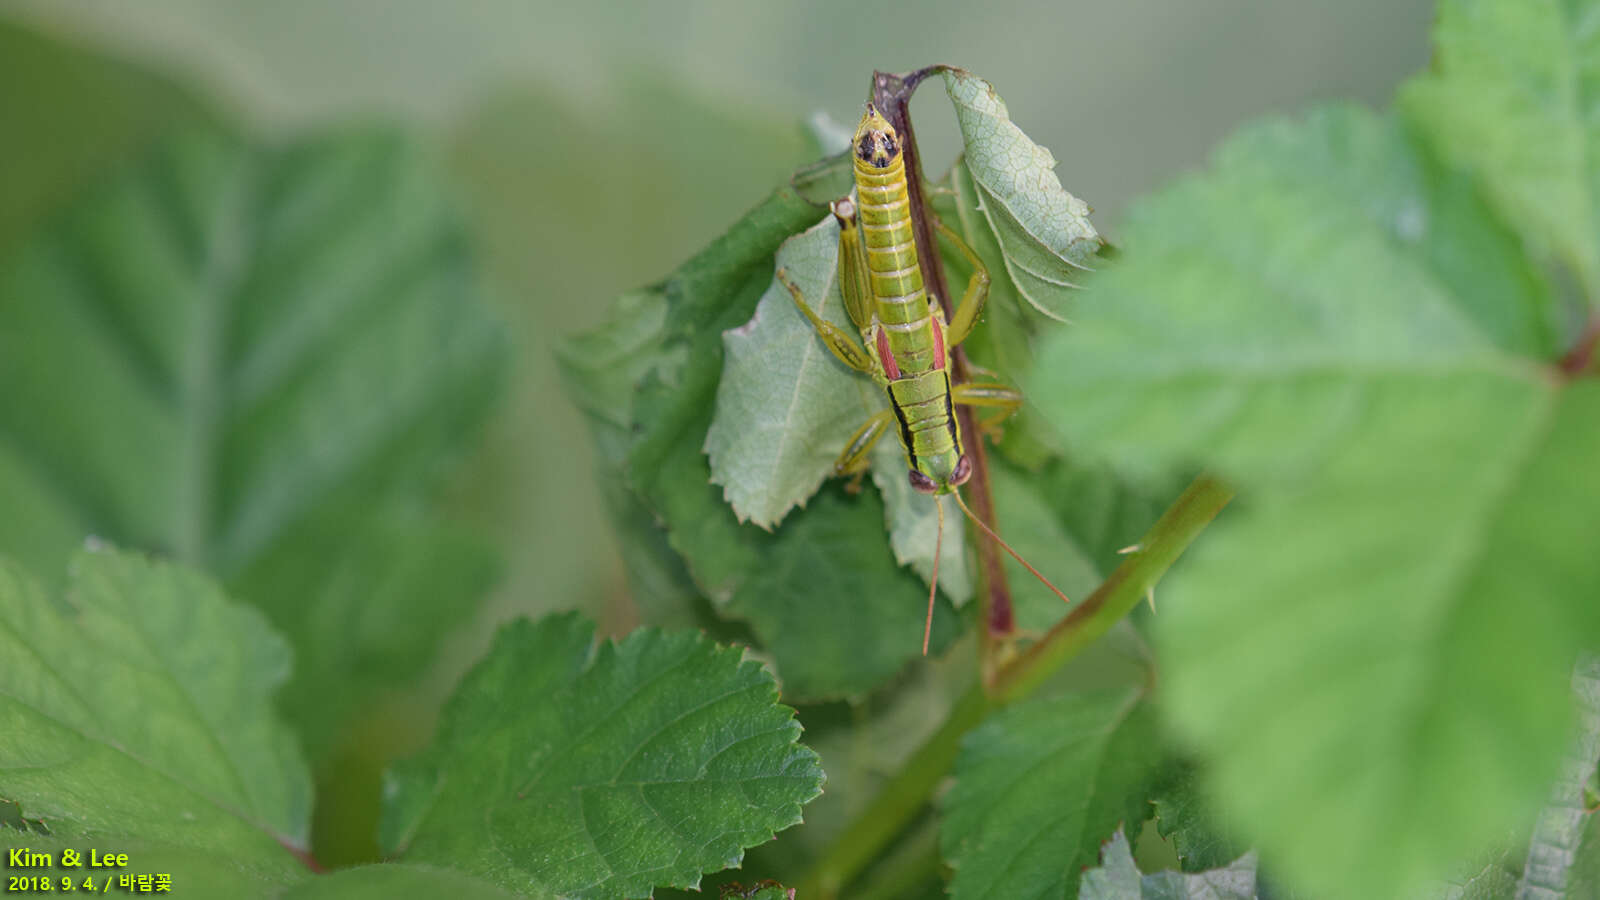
column 905, row 343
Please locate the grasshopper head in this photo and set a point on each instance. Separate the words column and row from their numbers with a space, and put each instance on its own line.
column 941, row 474
column 876, row 142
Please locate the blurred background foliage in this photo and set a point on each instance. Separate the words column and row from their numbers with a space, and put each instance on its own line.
column 593, row 147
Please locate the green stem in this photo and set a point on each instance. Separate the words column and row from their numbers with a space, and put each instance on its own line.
column 908, row 793
column 1118, row 595
column 912, row 869
column 900, row 800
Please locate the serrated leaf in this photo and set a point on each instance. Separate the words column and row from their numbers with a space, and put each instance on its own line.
column 1001, row 345
column 1559, row 832
column 785, row 405
column 1509, row 96
column 1331, row 352
column 1184, row 816
column 223, row 347
column 137, row 704
column 1118, row 878
column 1038, row 787
column 1044, row 231
column 566, row 769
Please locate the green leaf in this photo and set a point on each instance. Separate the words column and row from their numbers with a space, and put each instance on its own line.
column 391, row 880
column 1030, row 526
column 1118, row 878
column 225, row 349
column 1509, row 96
column 1044, row 231
column 1039, row 786
column 364, row 602
column 1002, row 342
column 1184, row 815
column 1337, row 641
column 785, row 405
column 194, row 871
column 137, row 705
column 1552, row 868
column 1583, row 879
column 648, row 381
column 1490, row 880
column 913, row 522
column 831, row 604
column 562, row 768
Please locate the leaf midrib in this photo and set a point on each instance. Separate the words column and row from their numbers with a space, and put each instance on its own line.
column 200, row 388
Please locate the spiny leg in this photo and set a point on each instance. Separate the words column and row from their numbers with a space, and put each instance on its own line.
column 848, row 349
column 966, row 314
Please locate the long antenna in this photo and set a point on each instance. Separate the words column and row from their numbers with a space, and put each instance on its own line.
column 938, row 551
column 1007, row 547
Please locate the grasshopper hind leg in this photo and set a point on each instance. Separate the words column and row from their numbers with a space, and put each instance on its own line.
column 847, row 349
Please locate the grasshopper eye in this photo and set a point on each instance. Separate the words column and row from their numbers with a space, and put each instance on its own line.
column 922, row 483
column 962, row 472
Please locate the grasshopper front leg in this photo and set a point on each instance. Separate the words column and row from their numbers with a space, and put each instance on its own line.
column 848, row 349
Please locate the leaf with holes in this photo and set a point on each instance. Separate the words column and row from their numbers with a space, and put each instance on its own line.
column 563, row 768
column 1118, row 878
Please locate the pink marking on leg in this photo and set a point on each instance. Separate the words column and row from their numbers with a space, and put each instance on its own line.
column 890, row 367
column 938, row 342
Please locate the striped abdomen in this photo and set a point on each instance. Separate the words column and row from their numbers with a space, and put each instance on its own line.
column 896, row 277
column 908, row 334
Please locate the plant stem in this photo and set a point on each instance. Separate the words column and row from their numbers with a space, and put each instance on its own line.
column 891, row 94
column 1119, row 594
column 907, row 794
column 912, row 869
